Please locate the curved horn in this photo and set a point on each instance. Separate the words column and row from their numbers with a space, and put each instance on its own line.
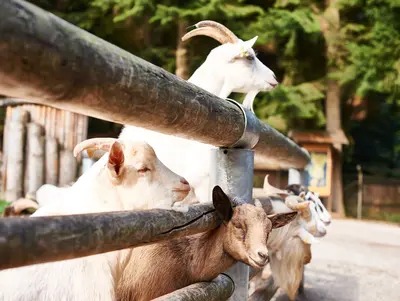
column 292, row 201
column 22, row 204
column 270, row 190
column 209, row 32
column 94, row 144
column 222, row 28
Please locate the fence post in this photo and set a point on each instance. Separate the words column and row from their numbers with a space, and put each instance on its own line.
column 232, row 169
column 360, row 192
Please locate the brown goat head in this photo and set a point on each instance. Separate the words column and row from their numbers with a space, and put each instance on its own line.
column 247, row 228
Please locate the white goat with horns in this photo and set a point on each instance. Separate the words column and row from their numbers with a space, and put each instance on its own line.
column 230, row 67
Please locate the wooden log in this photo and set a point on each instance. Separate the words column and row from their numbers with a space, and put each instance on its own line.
column 8, row 101
column 5, row 150
column 221, row 288
column 53, row 125
column 51, row 238
column 34, row 177
column 51, row 161
column 67, row 130
column 15, row 155
column 68, row 168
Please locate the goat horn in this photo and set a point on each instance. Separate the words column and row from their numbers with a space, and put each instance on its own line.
column 222, row 28
column 270, row 190
column 292, row 202
column 209, row 32
column 94, row 143
column 22, row 204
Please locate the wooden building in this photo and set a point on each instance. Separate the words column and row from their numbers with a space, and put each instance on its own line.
column 324, row 173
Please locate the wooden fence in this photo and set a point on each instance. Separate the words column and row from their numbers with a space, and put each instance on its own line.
column 380, row 197
column 37, row 147
column 48, row 61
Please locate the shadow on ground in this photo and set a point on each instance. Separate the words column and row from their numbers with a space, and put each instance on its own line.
column 323, row 286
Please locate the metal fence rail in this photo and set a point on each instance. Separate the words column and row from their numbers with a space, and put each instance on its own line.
column 46, row 60
column 26, row 241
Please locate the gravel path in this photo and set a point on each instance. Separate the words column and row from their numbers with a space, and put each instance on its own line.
column 356, row 261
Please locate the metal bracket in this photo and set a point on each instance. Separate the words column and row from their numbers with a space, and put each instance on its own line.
column 251, row 131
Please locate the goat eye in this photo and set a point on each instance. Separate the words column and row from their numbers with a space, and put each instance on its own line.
column 250, row 57
column 143, row 170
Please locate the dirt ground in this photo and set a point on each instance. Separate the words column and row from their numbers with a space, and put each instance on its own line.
column 355, row 261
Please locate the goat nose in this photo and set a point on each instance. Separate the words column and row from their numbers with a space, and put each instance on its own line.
column 183, row 181
column 262, row 255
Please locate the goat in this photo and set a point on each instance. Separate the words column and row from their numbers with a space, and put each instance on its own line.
column 289, row 246
column 129, row 176
column 230, row 67
column 322, row 212
column 241, row 237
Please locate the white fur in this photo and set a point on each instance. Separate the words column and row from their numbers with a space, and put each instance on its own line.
column 93, row 277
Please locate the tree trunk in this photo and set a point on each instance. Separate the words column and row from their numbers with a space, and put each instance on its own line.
column 331, row 28
column 182, row 64
column 34, row 177
column 15, row 155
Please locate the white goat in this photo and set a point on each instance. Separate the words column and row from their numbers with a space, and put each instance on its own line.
column 230, row 67
column 130, row 176
column 289, row 246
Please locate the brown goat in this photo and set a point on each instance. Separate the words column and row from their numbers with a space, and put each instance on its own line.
column 161, row 268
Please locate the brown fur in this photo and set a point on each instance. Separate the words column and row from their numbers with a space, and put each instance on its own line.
column 161, row 268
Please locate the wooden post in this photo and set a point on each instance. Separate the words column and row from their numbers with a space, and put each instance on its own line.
column 5, row 150
column 51, row 161
column 68, row 168
column 15, row 155
column 34, row 177
column 360, row 192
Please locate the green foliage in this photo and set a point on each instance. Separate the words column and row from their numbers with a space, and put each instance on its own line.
column 373, row 47
column 3, row 205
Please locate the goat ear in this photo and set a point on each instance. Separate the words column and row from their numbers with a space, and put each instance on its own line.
column 222, row 204
column 281, row 219
column 116, row 159
column 250, row 43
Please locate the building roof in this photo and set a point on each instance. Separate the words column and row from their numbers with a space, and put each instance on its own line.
column 337, row 137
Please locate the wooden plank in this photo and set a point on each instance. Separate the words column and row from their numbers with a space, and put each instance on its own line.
column 25, row 241
column 221, row 288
